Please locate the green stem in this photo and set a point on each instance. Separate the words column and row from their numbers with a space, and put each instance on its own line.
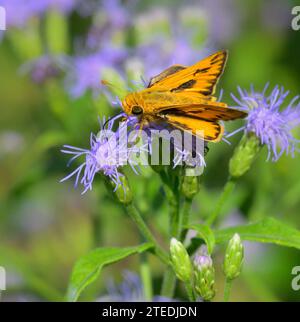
column 146, row 278
column 190, row 292
column 185, row 217
column 174, row 215
column 227, row 190
column 169, row 280
column 227, row 289
column 169, row 283
column 145, row 231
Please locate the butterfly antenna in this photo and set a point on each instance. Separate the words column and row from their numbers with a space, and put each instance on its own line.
column 113, row 87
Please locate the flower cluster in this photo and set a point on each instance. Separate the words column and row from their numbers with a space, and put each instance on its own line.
column 271, row 123
column 108, row 152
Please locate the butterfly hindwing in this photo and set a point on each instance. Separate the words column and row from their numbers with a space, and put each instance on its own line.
column 213, row 111
column 208, row 130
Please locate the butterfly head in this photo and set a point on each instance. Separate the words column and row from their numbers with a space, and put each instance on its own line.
column 131, row 106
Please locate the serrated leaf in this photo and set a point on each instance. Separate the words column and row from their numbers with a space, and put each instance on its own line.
column 204, row 232
column 268, row 230
column 89, row 267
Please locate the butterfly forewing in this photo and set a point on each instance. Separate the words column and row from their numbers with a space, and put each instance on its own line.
column 200, row 78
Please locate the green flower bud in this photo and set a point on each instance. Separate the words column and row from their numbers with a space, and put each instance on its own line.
column 190, row 184
column 244, row 155
column 204, row 273
column 123, row 192
column 234, row 256
column 180, row 261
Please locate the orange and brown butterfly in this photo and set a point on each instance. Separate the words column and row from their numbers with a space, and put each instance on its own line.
column 183, row 98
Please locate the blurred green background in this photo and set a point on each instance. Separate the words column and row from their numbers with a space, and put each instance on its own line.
column 46, row 225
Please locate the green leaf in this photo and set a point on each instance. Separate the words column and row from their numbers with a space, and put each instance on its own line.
column 88, row 267
column 268, row 230
column 204, row 232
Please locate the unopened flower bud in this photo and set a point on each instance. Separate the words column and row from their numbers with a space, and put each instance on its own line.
column 244, row 155
column 204, row 273
column 180, row 261
column 234, row 256
column 122, row 191
column 190, row 185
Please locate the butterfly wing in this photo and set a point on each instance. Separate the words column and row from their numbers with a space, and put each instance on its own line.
column 213, row 111
column 167, row 72
column 208, row 130
column 201, row 117
column 200, row 78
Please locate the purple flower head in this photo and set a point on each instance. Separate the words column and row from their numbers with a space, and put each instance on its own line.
column 88, row 70
column 45, row 68
column 269, row 121
column 108, row 152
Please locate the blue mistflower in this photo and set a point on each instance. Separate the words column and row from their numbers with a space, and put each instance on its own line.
column 269, row 121
column 108, row 152
column 88, row 69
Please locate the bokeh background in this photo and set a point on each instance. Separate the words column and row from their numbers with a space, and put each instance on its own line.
column 52, row 57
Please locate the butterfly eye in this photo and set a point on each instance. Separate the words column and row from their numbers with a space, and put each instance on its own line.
column 136, row 110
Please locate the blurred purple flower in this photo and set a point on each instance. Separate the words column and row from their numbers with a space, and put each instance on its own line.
column 108, row 152
column 117, row 14
column 45, row 68
column 64, row 6
column 271, row 123
column 86, row 74
column 19, row 12
column 109, row 18
column 130, row 290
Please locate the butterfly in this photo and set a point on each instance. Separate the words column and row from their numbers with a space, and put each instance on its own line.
column 183, row 98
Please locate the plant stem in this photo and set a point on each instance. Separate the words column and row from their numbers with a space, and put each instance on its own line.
column 227, row 190
column 145, row 231
column 187, row 205
column 227, row 289
column 174, row 216
column 190, row 292
column 146, row 278
column 169, row 282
